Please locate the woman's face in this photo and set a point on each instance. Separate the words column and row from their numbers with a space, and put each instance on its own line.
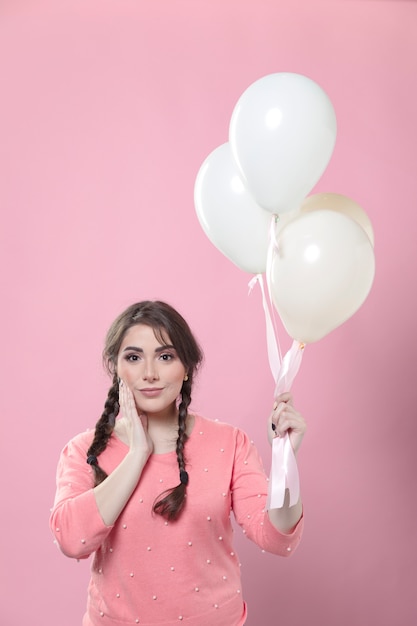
column 152, row 370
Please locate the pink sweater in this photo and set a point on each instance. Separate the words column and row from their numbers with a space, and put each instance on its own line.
column 147, row 571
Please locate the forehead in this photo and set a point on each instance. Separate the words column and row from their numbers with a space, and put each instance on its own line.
column 142, row 334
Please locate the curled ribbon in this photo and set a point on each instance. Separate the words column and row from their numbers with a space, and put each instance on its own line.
column 284, row 470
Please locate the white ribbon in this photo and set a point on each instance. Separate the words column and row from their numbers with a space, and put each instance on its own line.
column 284, row 471
column 274, row 353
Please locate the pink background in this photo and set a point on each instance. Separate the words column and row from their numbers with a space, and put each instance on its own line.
column 107, row 111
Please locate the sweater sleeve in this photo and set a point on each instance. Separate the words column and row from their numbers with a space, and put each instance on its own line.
column 75, row 520
column 249, row 496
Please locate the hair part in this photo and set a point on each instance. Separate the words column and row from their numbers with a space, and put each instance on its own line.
column 165, row 321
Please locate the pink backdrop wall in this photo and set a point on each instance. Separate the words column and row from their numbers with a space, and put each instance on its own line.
column 107, row 111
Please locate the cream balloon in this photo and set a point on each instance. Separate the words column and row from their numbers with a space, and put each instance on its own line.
column 321, row 273
column 229, row 216
column 282, row 134
column 341, row 204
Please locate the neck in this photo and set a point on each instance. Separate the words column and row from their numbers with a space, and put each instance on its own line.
column 163, row 430
column 167, row 418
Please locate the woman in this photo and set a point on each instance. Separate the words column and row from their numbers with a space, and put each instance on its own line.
column 151, row 490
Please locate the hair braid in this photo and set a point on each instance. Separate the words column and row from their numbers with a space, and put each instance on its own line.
column 172, row 501
column 104, row 429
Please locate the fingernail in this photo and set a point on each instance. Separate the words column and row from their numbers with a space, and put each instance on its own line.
column 275, row 406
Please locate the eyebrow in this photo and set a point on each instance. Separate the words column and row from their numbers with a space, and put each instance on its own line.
column 160, row 349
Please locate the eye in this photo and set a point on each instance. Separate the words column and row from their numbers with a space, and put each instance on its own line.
column 132, row 358
column 166, row 356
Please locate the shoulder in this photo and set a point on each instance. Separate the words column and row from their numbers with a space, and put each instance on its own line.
column 79, row 444
column 212, row 426
column 219, row 430
column 209, row 436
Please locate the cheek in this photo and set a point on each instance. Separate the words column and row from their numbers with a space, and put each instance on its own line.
column 123, row 371
column 179, row 375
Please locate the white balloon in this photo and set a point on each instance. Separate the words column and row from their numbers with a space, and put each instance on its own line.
column 342, row 204
column 321, row 273
column 282, row 134
column 229, row 216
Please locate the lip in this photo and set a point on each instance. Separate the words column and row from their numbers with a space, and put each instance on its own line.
column 151, row 392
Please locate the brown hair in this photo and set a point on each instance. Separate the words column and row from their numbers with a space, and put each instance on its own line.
column 164, row 320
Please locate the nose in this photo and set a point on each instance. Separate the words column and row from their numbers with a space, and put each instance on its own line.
column 150, row 371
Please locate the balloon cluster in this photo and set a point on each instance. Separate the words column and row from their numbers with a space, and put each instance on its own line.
column 281, row 137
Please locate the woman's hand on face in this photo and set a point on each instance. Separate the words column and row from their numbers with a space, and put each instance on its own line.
column 131, row 427
column 285, row 418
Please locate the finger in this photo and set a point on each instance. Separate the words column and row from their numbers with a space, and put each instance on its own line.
column 130, row 403
column 277, row 412
column 124, row 398
column 283, row 407
column 282, row 404
column 286, row 397
column 121, row 393
column 290, row 421
column 274, row 418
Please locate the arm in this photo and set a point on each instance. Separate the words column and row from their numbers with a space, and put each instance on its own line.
column 114, row 492
column 286, row 518
column 83, row 515
column 75, row 520
column 285, row 419
column 249, row 488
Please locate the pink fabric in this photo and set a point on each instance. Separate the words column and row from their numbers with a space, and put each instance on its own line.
column 148, row 571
